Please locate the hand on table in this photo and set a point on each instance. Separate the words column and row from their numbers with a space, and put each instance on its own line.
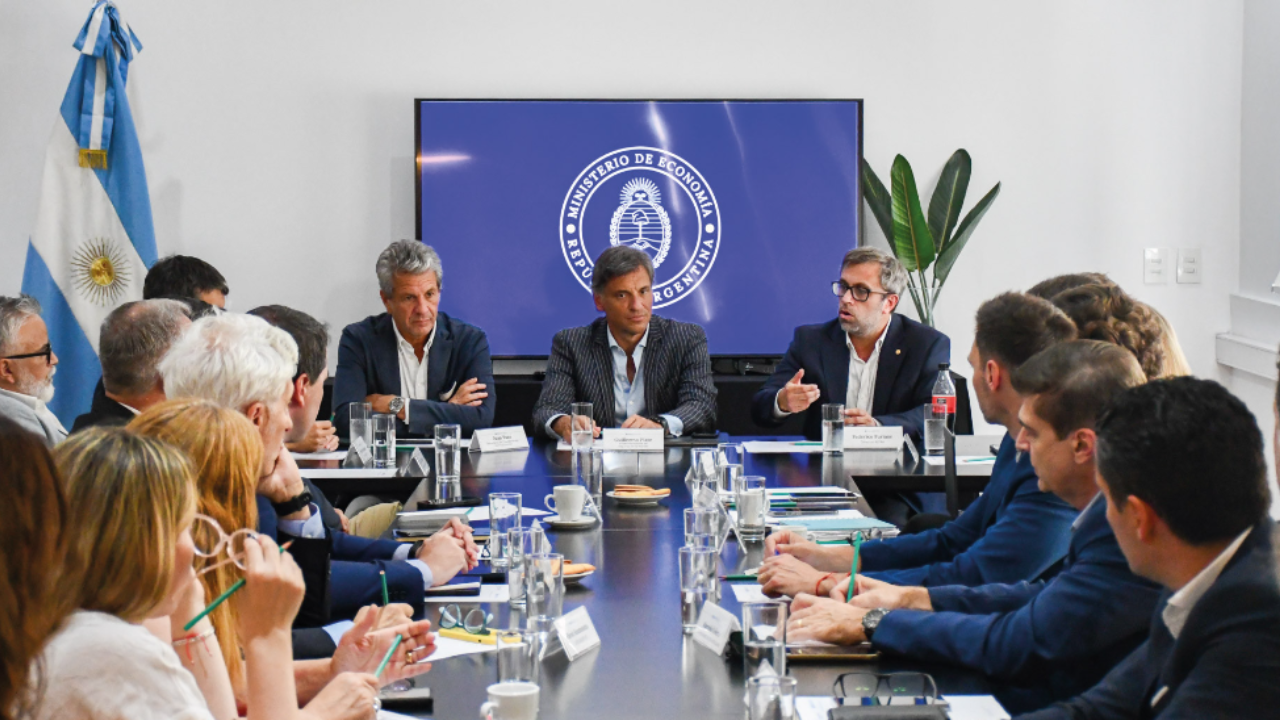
column 785, row 575
column 470, row 393
column 824, row 558
column 795, row 397
column 877, row 593
column 635, row 421
column 349, row 696
column 860, row 418
column 362, row 647
column 446, row 555
column 825, row 620
column 321, row 436
column 562, row 428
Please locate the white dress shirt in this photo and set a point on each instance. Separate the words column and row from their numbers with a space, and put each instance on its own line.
column 49, row 422
column 1180, row 603
column 861, row 391
column 413, row 372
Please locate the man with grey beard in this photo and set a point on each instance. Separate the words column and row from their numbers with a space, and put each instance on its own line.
column 27, row 367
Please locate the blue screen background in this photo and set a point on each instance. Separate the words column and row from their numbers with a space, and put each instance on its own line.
column 495, row 177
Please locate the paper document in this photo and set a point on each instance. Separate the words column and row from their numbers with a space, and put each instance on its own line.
column 961, row 460
column 448, row 647
column 488, row 594
column 774, row 447
column 481, row 513
column 388, row 715
column 339, row 473
column 749, row 592
column 328, row 455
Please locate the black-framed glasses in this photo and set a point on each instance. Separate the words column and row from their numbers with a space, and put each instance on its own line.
column 475, row 622
column 876, row 689
column 860, row 292
column 46, row 352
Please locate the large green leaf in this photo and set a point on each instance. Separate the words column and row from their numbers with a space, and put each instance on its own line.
column 948, row 197
column 911, row 239
column 877, row 197
column 947, row 258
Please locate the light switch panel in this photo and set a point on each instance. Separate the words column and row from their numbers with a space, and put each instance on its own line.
column 1155, row 266
column 1189, row 266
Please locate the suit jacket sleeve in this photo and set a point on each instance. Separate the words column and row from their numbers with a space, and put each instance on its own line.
column 357, row 584
column 766, row 396
column 312, row 643
column 313, row 558
column 1116, row 697
column 557, row 387
column 1082, row 612
column 912, row 421
column 472, row 360
column 1001, row 554
column 984, row 599
column 351, row 383
column 903, row 560
column 697, row 396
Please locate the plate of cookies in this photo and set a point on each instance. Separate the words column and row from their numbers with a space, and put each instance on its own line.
column 638, row 495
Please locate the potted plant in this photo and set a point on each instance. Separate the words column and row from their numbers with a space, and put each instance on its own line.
column 920, row 242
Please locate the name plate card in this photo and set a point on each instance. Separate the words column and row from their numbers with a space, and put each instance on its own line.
column 362, row 451
column 888, row 437
column 714, row 626
column 631, row 439
column 417, row 466
column 503, row 438
column 577, row 633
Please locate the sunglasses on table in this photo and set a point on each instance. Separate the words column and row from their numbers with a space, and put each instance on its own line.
column 475, row 622
column 863, row 688
column 45, row 352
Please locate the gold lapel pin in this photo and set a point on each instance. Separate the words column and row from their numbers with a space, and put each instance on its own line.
column 898, row 351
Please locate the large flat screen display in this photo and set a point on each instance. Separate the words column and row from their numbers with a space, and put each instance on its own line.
column 745, row 208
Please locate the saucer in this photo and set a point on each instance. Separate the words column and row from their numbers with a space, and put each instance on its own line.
column 637, row 500
column 575, row 579
column 554, row 521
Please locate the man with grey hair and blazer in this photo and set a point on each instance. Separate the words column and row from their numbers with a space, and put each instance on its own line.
column 27, row 367
column 413, row 361
column 638, row 370
column 880, row 365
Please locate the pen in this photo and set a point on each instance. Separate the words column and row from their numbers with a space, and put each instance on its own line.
column 853, row 568
column 387, row 658
column 223, row 597
column 809, row 443
column 978, row 459
column 737, row 577
column 386, row 598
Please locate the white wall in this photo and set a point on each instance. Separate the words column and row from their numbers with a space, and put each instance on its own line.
column 278, row 135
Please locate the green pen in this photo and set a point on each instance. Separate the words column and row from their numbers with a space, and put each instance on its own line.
column 809, row 443
column 387, row 658
column 853, row 567
column 223, row 597
column 978, row 459
column 386, row 598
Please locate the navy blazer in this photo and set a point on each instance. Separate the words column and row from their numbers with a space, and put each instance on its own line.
column 909, row 360
column 1013, row 532
column 1049, row 640
column 1224, row 664
column 369, row 364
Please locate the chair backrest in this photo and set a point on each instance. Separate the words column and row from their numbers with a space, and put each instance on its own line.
column 964, row 412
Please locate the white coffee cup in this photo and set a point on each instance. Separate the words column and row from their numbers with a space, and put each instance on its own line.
column 567, row 501
column 511, row 701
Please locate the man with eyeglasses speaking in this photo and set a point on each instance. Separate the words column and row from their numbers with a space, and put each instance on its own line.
column 880, row 365
column 27, row 366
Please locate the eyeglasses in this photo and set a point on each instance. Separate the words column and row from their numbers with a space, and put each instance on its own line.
column 475, row 622
column 860, row 292
column 211, row 540
column 46, row 352
column 876, row 689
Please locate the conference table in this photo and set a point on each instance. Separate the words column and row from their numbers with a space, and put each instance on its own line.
column 645, row 667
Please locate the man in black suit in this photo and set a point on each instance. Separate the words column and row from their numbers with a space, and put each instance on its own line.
column 413, row 361
column 1180, row 463
column 880, row 365
column 131, row 342
column 638, row 370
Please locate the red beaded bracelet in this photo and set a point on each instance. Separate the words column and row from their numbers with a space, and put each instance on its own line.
column 817, row 589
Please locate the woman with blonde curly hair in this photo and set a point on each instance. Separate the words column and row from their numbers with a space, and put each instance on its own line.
column 1107, row 313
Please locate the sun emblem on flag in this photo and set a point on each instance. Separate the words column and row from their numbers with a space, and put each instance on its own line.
column 100, row 271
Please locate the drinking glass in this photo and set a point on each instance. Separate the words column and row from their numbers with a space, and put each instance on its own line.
column 448, row 453
column 771, row 697
column 730, row 474
column 517, row 656
column 504, row 514
column 699, row 521
column 588, row 469
column 360, row 425
column 702, row 466
column 543, row 589
column 731, row 454
column 935, row 433
column 697, row 575
column 751, row 506
column 521, row 543
column 384, row 441
column 833, row 428
column 764, row 638
column 581, row 423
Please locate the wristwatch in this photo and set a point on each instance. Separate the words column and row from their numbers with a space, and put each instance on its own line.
column 871, row 621
column 396, row 405
column 289, row 507
column 666, row 429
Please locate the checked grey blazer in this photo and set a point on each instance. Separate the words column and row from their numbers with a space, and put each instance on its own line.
column 676, row 367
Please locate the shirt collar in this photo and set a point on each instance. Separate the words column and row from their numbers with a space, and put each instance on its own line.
column 644, row 339
column 30, row 401
column 406, row 345
column 1080, row 518
column 1181, row 603
column 848, row 341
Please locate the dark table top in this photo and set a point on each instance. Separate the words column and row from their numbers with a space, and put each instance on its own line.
column 646, row 667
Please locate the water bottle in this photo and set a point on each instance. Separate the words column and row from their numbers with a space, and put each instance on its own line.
column 942, row 412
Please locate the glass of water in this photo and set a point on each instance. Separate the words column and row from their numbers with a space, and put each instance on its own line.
column 730, row 475
column 731, row 454
column 581, row 424
column 543, row 589
column 752, row 506
column 764, row 638
column 771, row 697
column 361, row 427
column 935, row 433
column 697, row 576
column 699, row 521
column 833, row 428
column 588, row 469
column 517, row 656
column 448, row 453
column 384, row 441
column 504, row 515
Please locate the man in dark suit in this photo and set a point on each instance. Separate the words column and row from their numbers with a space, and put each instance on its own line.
column 1181, row 466
column 413, row 361
column 636, row 369
column 131, row 342
column 1014, row 531
column 1043, row 640
column 880, row 365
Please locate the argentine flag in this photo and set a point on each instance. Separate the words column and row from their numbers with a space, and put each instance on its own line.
column 93, row 239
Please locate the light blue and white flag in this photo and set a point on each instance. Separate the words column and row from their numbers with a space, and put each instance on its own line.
column 93, row 239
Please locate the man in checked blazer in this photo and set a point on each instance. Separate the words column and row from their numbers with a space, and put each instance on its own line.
column 636, row 369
